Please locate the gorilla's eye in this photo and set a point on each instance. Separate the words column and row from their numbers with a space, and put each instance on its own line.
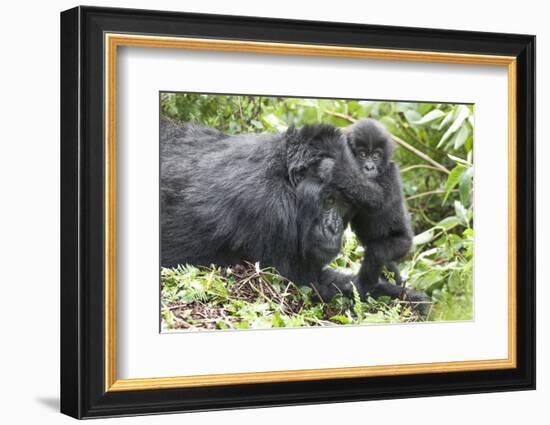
column 376, row 156
column 330, row 201
column 362, row 154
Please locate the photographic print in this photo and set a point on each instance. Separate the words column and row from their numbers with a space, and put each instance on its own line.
column 317, row 198
column 282, row 212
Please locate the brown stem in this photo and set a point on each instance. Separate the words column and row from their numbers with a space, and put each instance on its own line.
column 421, row 195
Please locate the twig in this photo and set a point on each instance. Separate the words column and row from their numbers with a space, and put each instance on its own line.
column 421, row 155
column 401, row 142
column 413, row 167
column 340, row 115
column 420, row 195
column 283, row 302
column 317, row 292
column 177, row 306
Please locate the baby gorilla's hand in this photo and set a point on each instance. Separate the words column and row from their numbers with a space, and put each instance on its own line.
column 325, row 170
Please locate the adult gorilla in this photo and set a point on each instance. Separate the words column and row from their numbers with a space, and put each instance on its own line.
column 265, row 198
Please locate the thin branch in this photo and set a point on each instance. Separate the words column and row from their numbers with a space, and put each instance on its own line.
column 401, row 142
column 413, row 167
column 317, row 292
column 421, row 155
column 431, row 192
column 340, row 115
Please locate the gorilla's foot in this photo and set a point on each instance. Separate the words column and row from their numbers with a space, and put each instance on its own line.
column 418, row 299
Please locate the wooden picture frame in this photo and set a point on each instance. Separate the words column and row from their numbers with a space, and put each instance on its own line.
column 90, row 39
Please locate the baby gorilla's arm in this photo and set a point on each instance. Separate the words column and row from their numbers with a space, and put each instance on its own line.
column 350, row 180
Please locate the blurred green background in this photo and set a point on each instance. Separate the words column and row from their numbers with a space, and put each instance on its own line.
column 435, row 154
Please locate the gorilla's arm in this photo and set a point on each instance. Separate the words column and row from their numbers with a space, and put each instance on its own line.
column 350, row 180
column 332, row 283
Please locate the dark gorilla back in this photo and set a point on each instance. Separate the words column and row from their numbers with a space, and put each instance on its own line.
column 227, row 199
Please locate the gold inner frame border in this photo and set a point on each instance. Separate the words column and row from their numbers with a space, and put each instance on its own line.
column 113, row 40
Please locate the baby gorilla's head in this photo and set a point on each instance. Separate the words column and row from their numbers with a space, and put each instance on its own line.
column 371, row 144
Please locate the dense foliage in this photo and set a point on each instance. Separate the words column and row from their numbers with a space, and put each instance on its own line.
column 436, row 159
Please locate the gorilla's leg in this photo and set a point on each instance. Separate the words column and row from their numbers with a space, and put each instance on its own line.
column 392, row 268
column 384, row 288
column 379, row 253
column 418, row 300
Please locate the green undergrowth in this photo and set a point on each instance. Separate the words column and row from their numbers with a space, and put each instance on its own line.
column 250, row 297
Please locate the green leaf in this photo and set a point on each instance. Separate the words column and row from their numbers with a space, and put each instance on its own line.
column 465, row 186
column 462, row 213
column 423, row 237
column 460, row 160
column 428, row 281
column 390, row 124
column 412, row 116
column 462, row 113
column 449, row 222
column 452, row 181
column 447, row 120
column 461, row 136
column 277, row 321
column 340, row 318
column 429, row 117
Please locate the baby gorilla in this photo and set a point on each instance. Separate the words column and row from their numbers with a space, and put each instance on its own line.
column 382, row 222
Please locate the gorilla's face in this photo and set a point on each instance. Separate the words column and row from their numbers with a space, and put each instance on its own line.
column 372, row 146
column 322, row 217
column 328, row 231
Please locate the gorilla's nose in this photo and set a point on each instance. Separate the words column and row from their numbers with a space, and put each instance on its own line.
column 335, row 226
column 369, row 167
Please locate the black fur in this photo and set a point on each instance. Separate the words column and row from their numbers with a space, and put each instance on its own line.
column 384, row 227
column 254, row 197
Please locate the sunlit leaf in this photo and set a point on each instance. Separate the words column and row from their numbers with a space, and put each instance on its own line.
column 412, row 116
column 449, row 222
column 462, row 213
column 462, row 114
column 459, row 160
column 424, row 237
column 429, row 117
column 452, row 180
column 461, row 136
column 465, row 186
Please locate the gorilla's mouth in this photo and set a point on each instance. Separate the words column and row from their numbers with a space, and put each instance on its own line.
column 329, row 249
column 370, row 173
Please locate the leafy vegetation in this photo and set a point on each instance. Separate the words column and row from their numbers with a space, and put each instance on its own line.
column 436, row 160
